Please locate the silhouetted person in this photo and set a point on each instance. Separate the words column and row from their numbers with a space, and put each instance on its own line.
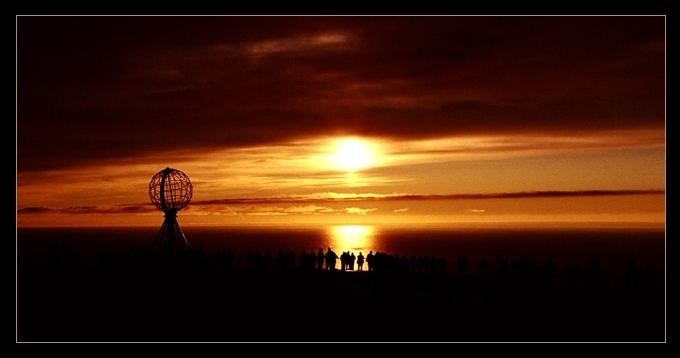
column 534, row 272
column 572, row 274
column 501, row 265
column 360, row 261
column 403, row 263
column 279, row 260
column 422, row 263
column 312, row 260
column 344, row 261
column 219, row 257
column 377, row 263
column 591, row 273
column 441, row 263
column 524, row 262
column 483, row 266
column 352, row 260
column 331, row 259
column 462, row 264
column 320, row 257
column 267, row 260
column 369, row 261
column 303, row 260
column 290, row 259
column 259, row 260
column 433, row 264
column 412, row 263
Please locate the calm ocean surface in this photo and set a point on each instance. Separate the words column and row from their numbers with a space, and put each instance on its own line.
column 613, row 247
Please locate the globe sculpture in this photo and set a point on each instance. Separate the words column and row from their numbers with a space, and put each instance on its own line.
column 170, row 190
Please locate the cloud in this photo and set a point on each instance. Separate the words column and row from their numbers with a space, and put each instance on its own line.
column 266, row 213
column 297, row 44
column 34, row 210
column 309, row 209
column 344, row 197
column 203, row 83
column 315, row 197
column 250, row 209
column 254, row 206
column 359, row 211
column 90, row 209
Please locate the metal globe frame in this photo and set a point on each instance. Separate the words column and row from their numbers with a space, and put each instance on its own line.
column 170, row 190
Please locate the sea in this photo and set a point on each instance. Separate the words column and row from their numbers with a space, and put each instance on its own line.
column 614, row 248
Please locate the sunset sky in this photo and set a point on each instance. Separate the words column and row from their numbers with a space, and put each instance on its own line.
column 456, row 120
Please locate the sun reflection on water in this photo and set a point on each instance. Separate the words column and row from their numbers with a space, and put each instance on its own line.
column 353, row 238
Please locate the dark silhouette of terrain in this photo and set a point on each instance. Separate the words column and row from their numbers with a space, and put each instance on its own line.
column 143, row 295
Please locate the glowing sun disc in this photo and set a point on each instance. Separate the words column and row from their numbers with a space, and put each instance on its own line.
column 352, row 154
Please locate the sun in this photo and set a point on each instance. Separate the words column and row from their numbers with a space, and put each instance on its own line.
column 352, row 154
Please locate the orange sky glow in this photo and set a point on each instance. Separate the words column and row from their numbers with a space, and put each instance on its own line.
column 343, row 120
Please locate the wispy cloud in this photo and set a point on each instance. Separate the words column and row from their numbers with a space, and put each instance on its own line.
column 359, row 211
column 297, row 44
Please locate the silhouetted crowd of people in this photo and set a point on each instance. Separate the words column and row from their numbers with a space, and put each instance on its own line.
column 328, row 261
column 254, row 294
column 518, row 270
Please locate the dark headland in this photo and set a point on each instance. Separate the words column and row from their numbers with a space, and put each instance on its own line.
column 147, row 296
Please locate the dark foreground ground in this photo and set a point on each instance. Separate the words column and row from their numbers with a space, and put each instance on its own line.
column 183, row 303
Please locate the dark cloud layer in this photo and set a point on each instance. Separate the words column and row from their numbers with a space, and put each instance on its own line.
column 397, row 197
column 90, row 209
column 98, row 88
